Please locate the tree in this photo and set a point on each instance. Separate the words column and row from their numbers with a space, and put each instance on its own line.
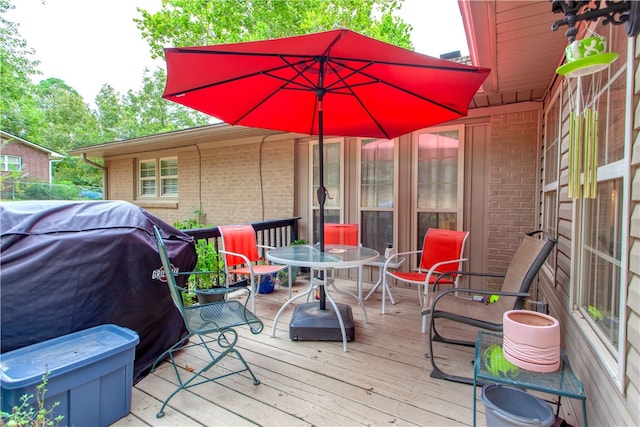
column 201, row 22
column 19, row 113
column 68, row 121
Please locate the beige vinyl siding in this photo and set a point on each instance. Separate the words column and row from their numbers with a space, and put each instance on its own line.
column 606, row 403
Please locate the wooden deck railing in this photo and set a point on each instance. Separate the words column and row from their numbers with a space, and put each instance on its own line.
column 277, row 232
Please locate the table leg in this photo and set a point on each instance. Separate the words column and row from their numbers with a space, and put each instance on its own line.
column 289, row 301
column 340, row 321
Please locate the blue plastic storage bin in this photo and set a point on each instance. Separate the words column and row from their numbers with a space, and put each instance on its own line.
column 90, row 374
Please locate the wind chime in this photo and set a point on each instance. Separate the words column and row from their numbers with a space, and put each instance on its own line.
column 586, row 57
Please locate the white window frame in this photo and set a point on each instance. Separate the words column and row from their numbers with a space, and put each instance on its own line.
column 550, row 264
column 459, row 211
column 313, row 199
column 157, row 178
column 6, row 163
column 615, row 364
column 394, row 209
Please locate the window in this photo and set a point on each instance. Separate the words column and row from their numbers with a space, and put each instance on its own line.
column 600, row 229
column 598, row 264
column 158, row 177
column 439, row 180
column 377, row 192
column 11, row 163
column 333, row 172
column 551, row 157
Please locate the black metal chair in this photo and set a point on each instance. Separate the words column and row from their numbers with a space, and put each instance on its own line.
column 457, row 304
column 217, row 319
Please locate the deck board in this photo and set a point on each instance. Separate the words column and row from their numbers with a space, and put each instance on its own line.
column 382, row 380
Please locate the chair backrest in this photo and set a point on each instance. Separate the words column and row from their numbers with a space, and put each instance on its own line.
column 240, row 239
column 168, row 272
column 524, row 266
column 341, row 234
column 441, row 245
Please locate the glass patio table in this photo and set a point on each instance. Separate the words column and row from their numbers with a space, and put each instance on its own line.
column 322, row 320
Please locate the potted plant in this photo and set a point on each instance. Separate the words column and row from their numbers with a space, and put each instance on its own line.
column 210, row 268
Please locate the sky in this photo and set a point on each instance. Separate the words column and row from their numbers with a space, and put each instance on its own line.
column 88, row 43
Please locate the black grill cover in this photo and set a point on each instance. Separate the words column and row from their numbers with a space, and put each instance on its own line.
column 68, row 266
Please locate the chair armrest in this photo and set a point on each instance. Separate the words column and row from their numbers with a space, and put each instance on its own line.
column 189, row 273
column 475, row 291
column 465, row 273
column 244, row 257
column 434, row 269
column 266, row 247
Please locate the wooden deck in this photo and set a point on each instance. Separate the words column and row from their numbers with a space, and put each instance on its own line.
column 383, row 379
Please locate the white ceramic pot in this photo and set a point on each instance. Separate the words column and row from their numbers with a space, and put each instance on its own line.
column 531, row 340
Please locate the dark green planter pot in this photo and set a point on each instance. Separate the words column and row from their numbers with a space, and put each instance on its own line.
column 206, row 297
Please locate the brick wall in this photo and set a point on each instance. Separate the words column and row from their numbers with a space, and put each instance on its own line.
column 35, row 163
column 512, row 184
column 223, row 182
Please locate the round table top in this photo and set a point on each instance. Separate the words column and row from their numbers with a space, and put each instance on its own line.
column 333, row 256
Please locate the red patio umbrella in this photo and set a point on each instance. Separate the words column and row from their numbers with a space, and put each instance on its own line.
column 364, row 87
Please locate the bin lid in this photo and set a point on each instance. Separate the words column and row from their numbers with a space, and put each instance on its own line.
column 27, row 365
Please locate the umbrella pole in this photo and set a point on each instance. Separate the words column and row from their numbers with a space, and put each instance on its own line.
column 321, row 193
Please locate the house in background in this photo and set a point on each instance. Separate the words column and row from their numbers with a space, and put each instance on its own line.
column 32, row 161
column 497, row 173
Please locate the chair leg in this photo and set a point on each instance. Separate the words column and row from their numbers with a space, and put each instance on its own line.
column 227, row 347
column 436, row 372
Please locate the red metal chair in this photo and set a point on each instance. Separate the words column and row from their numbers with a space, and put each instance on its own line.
column 241, row 257
column 344, row 234
column 442, row 250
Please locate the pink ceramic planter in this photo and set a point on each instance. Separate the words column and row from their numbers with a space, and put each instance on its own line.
column 531, row 340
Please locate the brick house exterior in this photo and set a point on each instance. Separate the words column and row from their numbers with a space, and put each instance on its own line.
column 35, row 160
column 512, row 142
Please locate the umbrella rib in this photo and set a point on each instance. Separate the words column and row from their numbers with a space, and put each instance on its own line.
column 299, row 73
column 245, row 76
column 460, row 67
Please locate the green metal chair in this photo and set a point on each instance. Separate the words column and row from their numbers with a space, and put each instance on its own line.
column 207, row 323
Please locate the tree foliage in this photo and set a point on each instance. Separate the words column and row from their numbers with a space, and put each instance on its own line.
column 202, row 22
column 19, row 113
column 52, row 114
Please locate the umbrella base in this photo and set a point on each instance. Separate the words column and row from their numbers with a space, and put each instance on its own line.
column 309, row 323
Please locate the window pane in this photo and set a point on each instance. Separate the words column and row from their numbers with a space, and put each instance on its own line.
column 550, row 219
column 148, row 169
column 551, row 144
column 169, row 167
column 170, row 186
column 438, row 170
column 331, row 173
column 148, row 187
column 377, row 230
column 447, row 221
column 331, row 216
column 616, row 120
column 600, row 296
column 377, row 173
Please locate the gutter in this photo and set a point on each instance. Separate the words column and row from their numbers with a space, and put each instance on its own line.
column 105, row 173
